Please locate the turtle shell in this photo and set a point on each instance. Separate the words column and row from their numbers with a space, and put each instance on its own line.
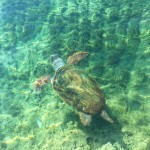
column 78, row 90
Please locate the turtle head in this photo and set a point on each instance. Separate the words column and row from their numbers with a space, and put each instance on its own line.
column 56, row 61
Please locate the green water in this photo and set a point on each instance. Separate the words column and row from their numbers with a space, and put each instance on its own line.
column 117, row 36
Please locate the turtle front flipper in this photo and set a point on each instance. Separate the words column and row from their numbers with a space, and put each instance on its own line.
column 86, row 119
column 40, row 82
column 76, row 57
column 106, row 117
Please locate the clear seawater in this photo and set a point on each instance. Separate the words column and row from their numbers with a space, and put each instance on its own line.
column 117, row 36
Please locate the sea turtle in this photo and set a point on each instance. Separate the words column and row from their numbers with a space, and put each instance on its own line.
column 78, row 89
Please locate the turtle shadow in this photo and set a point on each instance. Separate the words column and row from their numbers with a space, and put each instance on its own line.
column 99, row 132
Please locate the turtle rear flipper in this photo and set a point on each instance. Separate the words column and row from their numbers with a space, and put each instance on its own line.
column 106, row 117
column 85, row 119
column 76, row 57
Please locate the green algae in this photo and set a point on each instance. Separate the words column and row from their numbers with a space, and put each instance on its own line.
column 116, row 34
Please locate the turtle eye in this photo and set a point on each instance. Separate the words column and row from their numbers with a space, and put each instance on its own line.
column 53, row 57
